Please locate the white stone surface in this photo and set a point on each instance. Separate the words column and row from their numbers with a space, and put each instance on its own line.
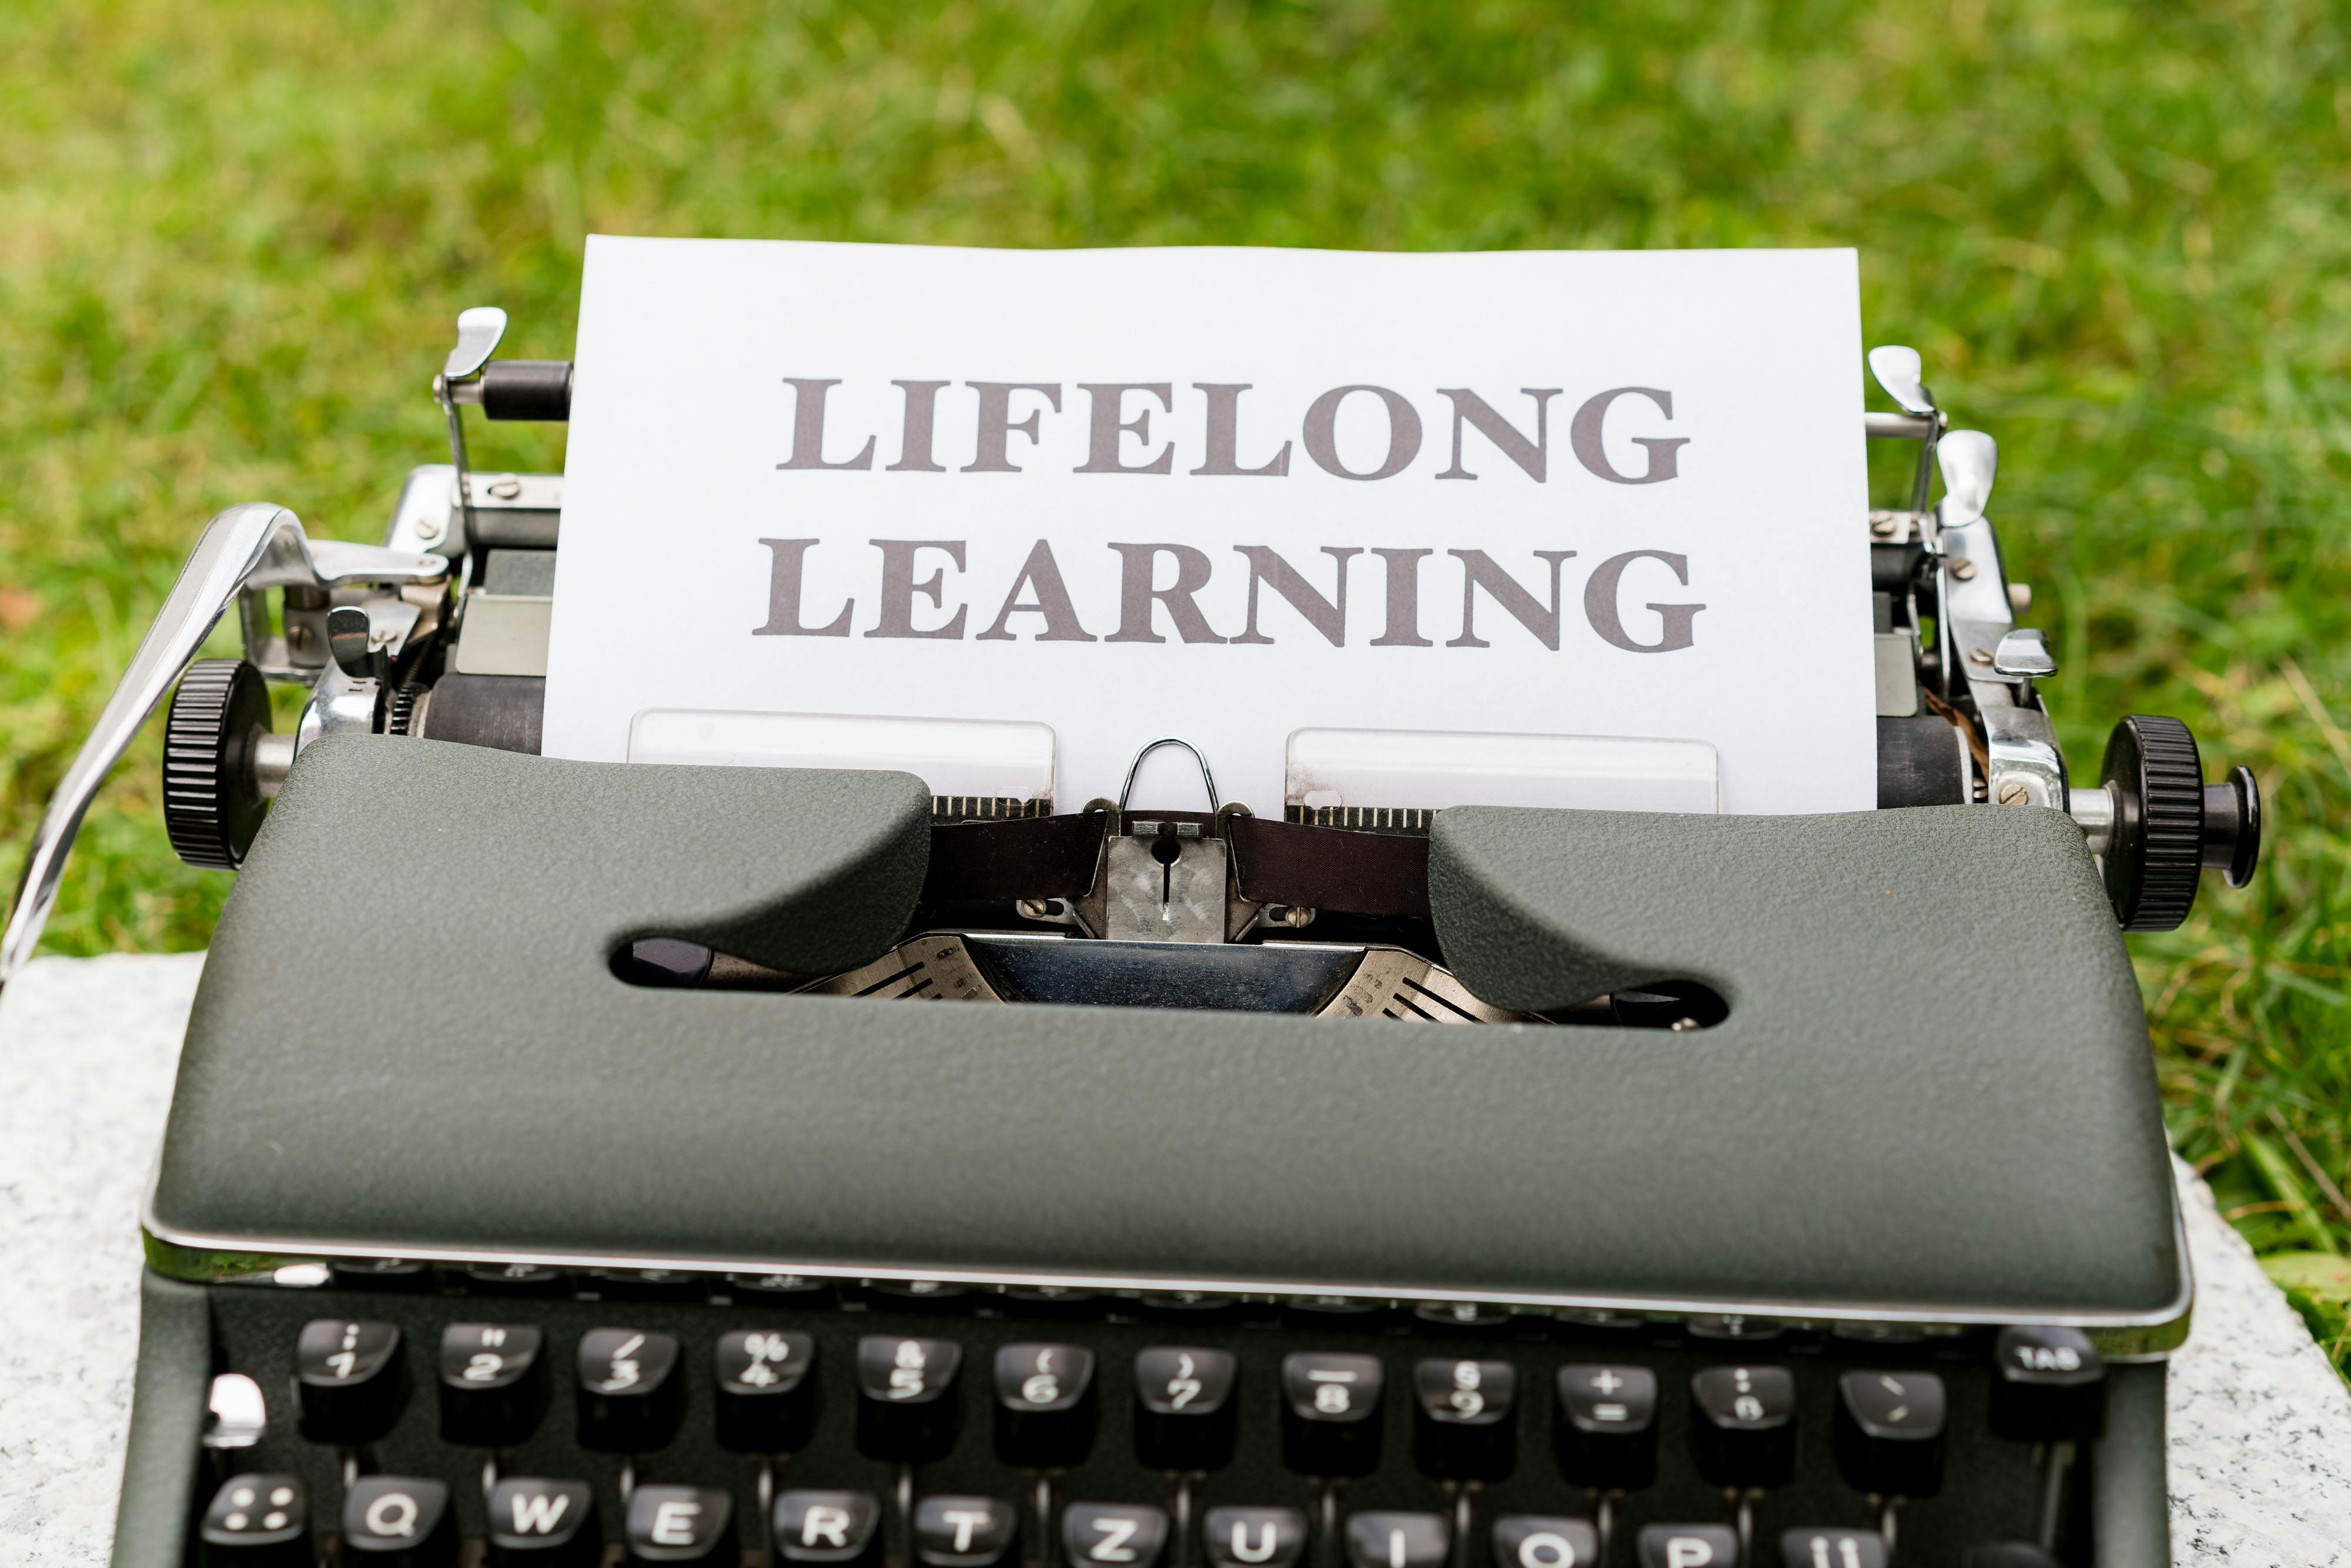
column 2260, row 1427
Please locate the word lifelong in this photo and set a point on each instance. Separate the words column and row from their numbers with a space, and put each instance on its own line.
column 1108, row 428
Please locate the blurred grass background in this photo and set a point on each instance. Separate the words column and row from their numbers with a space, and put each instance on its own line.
column 232, row 239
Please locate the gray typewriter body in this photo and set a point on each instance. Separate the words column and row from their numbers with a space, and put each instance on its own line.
column 559, row 1171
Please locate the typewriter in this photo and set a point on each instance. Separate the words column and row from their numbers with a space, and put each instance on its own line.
column 558, row 1173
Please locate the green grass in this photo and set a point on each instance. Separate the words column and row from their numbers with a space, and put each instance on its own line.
column 231, row 240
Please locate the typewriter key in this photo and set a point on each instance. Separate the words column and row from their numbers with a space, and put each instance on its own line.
column 1689, row 1546
column 629, row 1393
column 766, row 1400
column 1331, row 1410
column 538, row 1523
column 1889, row 1432
column 906, row 1397
column 1606, row 1432
column 1114, row 1535
column 258, row 1521
column 1044, row 1404
column 1745, row 1425
column 964, row 1532
column 1810, row 1548
column 1184, row 1418
column 399, row 1521
column 681, row 1524
column 1398, row 1541
column 1463, row 1427
column 349, row 1374
column 2051, row 1388
column 490, row 1384
column 1255, row 1537
column 1545, row 1540
column 832, row 1527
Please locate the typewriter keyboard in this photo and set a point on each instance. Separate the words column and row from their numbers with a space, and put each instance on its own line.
column 519, row 1415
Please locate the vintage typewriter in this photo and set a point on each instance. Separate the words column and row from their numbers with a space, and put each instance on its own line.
column 558, row 1175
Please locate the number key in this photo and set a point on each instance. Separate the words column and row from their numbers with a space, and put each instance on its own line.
column 1331, row 1406
column 490, row 1384
column 1044, row 1404
column 766, row 1400
column 629, row 1393
column 1184, row 1408
column 1463, row 1425
column 348, row 1374
column 906, row 1399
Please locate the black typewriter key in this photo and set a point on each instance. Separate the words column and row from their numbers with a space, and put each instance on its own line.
column 1184, row 1414
column 383, row 1274
column 766, row 1400
column 1053, row 1302
column 784, row 1290
column 1889, row 1432
column 399, row 1521
column 1463, row 1424
column 1254, row 1537
column 1330, row 1413
column 1044, row 1404
column 906, row 1397
column 2051, row 1385
column 1115, row 1535
column 349, row 1374
column 1817, row 1548
column 1744, row 1422
column 257, row 1519
column 538, row 1523
column 1734, row 1326
column 490, row 1384
column 929, row 1295
column 1398, row 1541
column 1545, row 1540
column 1606, row 1430
column 1188, row 1307
column 681, row 1524
column 1687, row 1546
column 1466, row 1317
column 964, row 1532
column 648, row 1285
column 629, row 1393
column 522, row 1279
column 826, row 1526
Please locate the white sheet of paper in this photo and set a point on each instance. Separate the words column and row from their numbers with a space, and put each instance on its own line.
column 1521, row 552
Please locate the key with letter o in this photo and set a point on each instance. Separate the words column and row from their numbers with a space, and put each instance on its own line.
column 1545, row 1540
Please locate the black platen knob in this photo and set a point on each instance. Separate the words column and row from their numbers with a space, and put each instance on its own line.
column 2168, row 825
column 212, row 803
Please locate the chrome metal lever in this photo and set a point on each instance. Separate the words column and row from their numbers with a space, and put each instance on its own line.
column 478, row 331
column 256, row 545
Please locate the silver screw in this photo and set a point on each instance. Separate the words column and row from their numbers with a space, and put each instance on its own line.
column 1963, row 569
column 1979, row 655
column 1037, row 908
column 507, row 488
column 1682, row 1026
column 1297, row 919
column 428, row 530
column 2015, row 793
column 1882, row 526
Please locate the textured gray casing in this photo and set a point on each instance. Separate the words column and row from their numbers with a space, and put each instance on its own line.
column 167, row 1417
column 407, row 1035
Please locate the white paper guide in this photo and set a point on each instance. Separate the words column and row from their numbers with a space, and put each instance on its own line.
column 1224, row 495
